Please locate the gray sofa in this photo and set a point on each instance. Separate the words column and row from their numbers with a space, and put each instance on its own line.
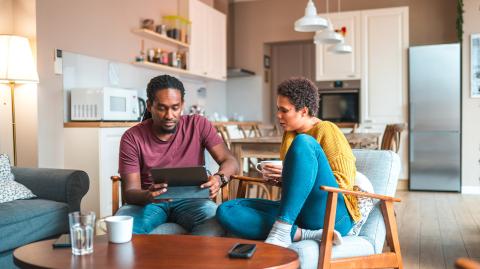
column 58, row 192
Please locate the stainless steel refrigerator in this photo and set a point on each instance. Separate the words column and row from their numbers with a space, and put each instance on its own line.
column 435, row 117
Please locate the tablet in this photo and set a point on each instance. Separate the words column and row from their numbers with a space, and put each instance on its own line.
column 183, row 182
column 180, row 176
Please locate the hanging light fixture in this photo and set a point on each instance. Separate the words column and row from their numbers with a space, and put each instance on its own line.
column 311, row 22
column 341, row 48
column 328, row 36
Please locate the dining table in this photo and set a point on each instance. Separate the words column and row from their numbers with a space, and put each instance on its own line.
column 268, row 147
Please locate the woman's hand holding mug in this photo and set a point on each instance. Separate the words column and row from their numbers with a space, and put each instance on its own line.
column 271, row 170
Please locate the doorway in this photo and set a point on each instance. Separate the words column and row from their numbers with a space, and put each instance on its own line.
column 290, row 59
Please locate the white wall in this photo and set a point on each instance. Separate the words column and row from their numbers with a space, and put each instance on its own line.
column 99, row 29
column 245, row 97
column 471, row 107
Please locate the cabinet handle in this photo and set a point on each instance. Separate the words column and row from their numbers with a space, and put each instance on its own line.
column 351, row 76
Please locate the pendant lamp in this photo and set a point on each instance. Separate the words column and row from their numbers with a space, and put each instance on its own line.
column 311, row 22
column 328, row 36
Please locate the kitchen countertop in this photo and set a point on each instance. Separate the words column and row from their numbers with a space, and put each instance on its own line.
column 99, row 124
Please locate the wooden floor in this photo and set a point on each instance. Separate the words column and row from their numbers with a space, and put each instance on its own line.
column 437, row 228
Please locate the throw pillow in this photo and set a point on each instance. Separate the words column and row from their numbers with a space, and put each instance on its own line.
column 365, row 204
column 5, row 170
column 10, row 189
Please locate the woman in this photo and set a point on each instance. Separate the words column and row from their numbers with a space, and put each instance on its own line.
column 314, row 153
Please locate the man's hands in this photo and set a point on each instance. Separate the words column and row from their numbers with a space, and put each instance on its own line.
column 273, row 174
column 213, row 184
column 155, row 190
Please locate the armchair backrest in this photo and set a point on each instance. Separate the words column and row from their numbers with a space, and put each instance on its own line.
column 382, row 169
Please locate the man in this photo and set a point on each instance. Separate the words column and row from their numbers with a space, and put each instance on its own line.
column 168, row 139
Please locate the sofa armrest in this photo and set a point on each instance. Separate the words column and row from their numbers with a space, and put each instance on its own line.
column 61, row 185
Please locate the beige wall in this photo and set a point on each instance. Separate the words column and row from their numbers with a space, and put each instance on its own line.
column 258, row 22
column 18, row 17
column 471, row 107
column 96, row 28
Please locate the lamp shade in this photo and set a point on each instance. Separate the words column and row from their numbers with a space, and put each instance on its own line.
column 311, row 22
column 16, row 60
column 328, row 36
column 340, row 48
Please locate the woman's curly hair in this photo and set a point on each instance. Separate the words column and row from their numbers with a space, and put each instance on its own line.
column 301, row 92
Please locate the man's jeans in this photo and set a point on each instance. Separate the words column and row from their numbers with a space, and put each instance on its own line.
column 195, row 215
column 303, row 204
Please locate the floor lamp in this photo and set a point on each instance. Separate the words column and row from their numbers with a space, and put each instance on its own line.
column 17, row 66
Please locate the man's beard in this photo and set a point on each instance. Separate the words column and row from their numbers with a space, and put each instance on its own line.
column 168, row 131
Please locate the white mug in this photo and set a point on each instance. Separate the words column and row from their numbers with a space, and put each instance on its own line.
column 119, row 228
column 262, row 164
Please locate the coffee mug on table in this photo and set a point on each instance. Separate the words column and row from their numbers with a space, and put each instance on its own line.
column 262, row 164
column 118, row 228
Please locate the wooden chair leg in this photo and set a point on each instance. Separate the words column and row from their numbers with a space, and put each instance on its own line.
column 325, row 255
column 391, row 230
column 115, row 196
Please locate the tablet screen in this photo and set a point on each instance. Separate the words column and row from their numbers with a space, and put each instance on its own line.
column 180, row 176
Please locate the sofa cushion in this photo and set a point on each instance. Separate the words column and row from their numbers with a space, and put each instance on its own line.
column 26, row 221
column 5, row 169
column 352, row 246
column 11, row 190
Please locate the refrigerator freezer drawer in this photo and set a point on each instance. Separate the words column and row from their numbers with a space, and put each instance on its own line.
column 435, row 161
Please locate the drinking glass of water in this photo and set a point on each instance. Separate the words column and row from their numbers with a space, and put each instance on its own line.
column 81, row 232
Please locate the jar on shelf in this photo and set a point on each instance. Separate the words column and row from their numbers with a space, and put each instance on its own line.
column 184, row 30
column 173, row 24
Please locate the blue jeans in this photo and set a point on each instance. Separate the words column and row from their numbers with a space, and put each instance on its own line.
column 303, row 204
column 195, row 215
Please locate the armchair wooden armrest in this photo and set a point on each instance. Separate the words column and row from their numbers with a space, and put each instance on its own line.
column 361, row 194
column 383, row 260
column 465, row 263
column 116, row 182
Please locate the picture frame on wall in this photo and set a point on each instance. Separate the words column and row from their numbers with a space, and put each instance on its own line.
column 475, row 65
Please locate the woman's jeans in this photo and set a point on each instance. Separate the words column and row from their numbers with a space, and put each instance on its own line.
column 303, row 204
column 195, row 215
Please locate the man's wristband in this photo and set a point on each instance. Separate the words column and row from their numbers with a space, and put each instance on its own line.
column 223, row 179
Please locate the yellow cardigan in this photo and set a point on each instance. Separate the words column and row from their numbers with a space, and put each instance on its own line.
column 339, row 155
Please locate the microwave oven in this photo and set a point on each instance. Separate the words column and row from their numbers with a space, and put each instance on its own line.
column 341, row 105
column 104, row 104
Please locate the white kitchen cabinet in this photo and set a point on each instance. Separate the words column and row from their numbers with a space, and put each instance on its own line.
column 333, row 66
column 208, row 47
column 384, row 65
column 95, row 151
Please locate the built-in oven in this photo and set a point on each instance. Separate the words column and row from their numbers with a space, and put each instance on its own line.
column 339, row 104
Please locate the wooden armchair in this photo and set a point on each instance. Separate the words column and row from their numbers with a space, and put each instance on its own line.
column 118, row 199
column 384, row 260
column 382, row 168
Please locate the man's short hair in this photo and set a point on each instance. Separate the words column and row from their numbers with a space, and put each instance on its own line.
column 163, row 82
column 301, row 92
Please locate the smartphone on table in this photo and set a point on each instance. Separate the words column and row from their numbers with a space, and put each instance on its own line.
column 62, row 242
column 244, row 251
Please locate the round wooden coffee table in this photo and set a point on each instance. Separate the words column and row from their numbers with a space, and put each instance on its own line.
column 156, row 251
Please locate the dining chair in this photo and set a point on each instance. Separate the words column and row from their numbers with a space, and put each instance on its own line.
column 465, row 263
column 391, row 136
column 365, row 250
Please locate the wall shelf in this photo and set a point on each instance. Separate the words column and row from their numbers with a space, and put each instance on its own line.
column 158, row 37
column 174, row 70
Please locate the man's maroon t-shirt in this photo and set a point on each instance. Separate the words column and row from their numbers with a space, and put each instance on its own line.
column 141, row 150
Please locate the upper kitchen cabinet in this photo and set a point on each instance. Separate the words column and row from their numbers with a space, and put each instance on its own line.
column 208, row 39
column 384, row 65
column 332, row 66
